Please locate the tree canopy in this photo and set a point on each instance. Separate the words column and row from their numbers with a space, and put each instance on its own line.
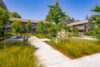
column 16, row 26
column 2, row 5
column 55, row 14
column 29, row 26
column 95, row 29
column 4, row 17
column 75, row 30
column 40, row 27
column 14, row 15
column 96, row 9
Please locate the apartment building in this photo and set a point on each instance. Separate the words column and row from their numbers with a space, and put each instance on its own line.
column 81, row 25
column 24, row 22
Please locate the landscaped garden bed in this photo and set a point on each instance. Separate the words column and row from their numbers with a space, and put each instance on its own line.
column 17, row 54
column 75, row 48
column 28, row 35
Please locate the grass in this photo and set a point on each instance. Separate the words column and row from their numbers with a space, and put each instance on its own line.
column 76, row 48
column 17, row 54
column 37, row 35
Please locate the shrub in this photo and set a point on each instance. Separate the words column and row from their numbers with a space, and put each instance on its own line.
column 76, row 35
column 48, row 35
column 73, row 35
column 62, row 34
column 8, row 35
column 70, row 35
column 88, row 33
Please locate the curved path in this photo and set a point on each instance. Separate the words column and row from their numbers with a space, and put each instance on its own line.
column 50, row 57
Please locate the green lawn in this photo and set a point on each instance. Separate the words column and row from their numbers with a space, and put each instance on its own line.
column 75, row 47
column 17, row 54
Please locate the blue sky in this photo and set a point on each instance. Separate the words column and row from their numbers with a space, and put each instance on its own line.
column 38, row 9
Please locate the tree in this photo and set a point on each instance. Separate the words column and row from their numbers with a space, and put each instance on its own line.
column 75, row 30
column 63, row 26
column 96, row 9
column 14, row 15
column 29, row 26
column 51, row 29
column 96, row 33
column 87, row 18
column 40, row 27
column 63, row 17
column 17, row 27
column 2, row 5
column 91, row 25
column 68, row 20
column 48, row 26
column 96, row 18
column 72, row 20
column 1, row 32
column 4, row 19
column 55, row 14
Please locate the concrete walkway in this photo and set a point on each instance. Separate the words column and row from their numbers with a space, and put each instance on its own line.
column 50, row 57
column 86, row 38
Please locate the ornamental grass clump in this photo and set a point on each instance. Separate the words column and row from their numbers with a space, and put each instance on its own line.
column 76, row 47
column 73, row 50
column 17, row 54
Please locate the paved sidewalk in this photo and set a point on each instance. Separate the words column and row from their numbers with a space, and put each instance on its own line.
column 86, row 38
column 47, row 55
column 50, row 57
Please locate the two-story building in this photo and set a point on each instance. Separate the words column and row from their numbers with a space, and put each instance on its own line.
column 24, row 22
column 81, row 25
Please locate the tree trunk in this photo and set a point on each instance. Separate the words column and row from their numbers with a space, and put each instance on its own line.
column 24, row 38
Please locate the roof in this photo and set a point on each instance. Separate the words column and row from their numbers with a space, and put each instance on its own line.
column 36, row 21
column 24, row 20
column 8, row 26
column 78, row 23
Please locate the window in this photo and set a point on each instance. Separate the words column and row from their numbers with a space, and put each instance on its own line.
column 33, row 24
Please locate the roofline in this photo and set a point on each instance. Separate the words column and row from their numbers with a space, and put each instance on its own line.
column 78, row 23
column 37, row 21
column 24, row 20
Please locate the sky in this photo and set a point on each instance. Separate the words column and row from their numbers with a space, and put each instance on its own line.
column 38, row 9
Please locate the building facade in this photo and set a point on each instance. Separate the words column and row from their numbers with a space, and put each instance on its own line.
column 81, row 25
column 24, row 22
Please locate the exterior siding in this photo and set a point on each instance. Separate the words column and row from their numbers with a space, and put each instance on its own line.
column 9, row 29
column 81, row 25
